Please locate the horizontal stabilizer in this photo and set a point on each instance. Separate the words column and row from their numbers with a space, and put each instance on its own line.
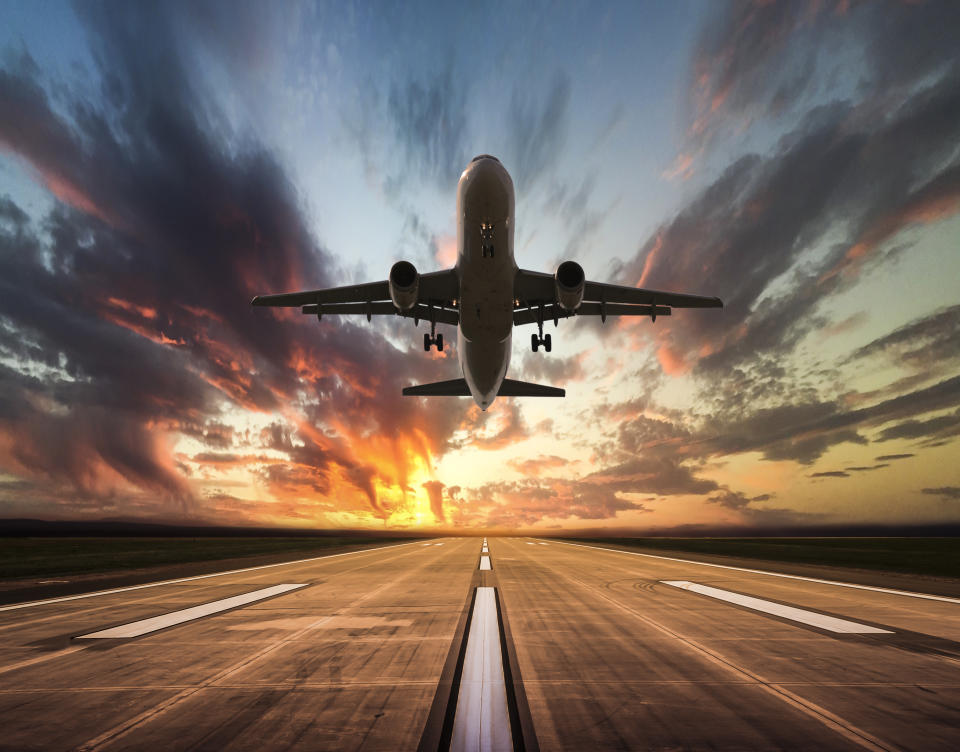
column 452, row 388
column 458, row 388
column 511, row 388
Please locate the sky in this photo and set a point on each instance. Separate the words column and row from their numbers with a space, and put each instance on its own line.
column 162, row 163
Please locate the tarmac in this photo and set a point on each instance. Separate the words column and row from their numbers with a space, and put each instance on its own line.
column 599, row 649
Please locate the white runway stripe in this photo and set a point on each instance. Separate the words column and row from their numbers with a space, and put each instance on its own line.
column 908, row 593
column 485, row 563
column 830, row 623
column 530, row 543
column 482, row 721
column 145, row 626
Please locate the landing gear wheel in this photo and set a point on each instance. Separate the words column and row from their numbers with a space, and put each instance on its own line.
column 426, row 343
column 439, row 343
column 534, row 342
column 547, row 343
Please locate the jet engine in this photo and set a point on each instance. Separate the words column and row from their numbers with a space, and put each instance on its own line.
column 404, row 285
column 569, row 280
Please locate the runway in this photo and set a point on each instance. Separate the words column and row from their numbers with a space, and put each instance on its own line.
column 599, row 649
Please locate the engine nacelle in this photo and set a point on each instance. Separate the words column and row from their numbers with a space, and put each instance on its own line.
column 570, row 281
column 404, row 285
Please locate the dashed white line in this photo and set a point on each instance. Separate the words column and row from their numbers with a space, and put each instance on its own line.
column 485, row 563
column 145, row 626
column 830, row 623
column 482, row 721
column 891, row 591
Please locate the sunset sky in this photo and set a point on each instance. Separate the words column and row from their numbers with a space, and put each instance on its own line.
column 162, row 163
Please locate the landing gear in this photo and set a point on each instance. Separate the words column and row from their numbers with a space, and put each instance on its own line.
column 429, row 340
column 540, row 339
column 486, row 240
column 536, row 341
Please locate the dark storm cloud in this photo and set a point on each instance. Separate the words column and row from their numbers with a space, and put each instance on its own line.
column 133, row 294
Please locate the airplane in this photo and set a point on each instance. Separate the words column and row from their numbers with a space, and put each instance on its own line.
column 485, row 295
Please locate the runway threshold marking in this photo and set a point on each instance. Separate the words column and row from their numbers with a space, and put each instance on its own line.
column 891, row 591
column 28, row 604
column 154, row 623
column 829, row 623
column 485, row 563
column 482, row 720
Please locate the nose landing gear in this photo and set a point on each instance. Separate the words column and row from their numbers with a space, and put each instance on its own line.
column 486, row 239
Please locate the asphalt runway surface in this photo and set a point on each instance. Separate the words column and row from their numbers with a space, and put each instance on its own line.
column 397, row 648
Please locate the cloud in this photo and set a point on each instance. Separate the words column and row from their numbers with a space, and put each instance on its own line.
column 924, row 342
column 430, row 125
column 890, row 457
column 537, row 466
column 124, row 313
column 946, row 492
column 537, row 130
column 435, row 493
column 830, row 474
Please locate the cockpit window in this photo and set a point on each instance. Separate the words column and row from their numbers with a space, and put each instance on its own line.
column 484, row 156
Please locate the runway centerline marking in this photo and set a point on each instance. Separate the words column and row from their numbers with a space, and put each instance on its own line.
column 891, row 591
column 814, row 619
column 485, row 563
column 172, row 619
column 28, row 604
column 482, row 720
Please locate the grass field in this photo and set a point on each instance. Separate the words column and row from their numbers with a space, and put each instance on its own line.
column 925, row 556
column 60, row 557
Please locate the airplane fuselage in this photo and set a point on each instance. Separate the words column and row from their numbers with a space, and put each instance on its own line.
column 486, row 270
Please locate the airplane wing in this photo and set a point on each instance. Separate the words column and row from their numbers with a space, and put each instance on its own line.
column 536, row 296
column 436, row 298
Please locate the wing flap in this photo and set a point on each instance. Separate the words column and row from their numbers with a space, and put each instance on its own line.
column 386, row 308
column 553, row 311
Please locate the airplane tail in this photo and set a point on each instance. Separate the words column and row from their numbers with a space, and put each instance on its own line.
column 458, row 388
